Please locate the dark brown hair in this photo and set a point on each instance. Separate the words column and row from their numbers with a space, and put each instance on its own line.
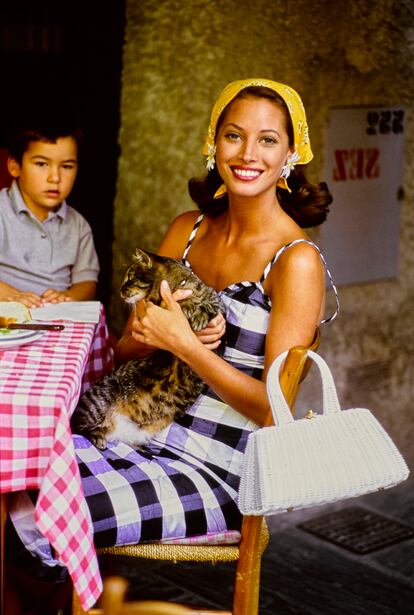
column 307, row 204
column 47, row 127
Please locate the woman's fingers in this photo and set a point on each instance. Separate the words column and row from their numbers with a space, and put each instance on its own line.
column 211, row 335
column 165, row 292
column 212, row 345
column 218, row 321
column 169, row 301
column 182, row 293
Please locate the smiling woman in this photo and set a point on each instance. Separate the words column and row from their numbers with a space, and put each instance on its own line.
column 307, row 204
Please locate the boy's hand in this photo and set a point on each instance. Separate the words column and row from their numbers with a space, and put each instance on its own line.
column 30, row 300
column 55, row 296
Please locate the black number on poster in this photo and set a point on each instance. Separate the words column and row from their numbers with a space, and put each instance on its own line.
column 385, row 122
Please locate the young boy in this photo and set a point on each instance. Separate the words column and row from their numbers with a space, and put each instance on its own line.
column 47, row 253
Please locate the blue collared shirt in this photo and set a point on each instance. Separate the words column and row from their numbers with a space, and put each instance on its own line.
column 36, row 255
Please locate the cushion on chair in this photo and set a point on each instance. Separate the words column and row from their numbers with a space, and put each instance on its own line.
column 229, row 537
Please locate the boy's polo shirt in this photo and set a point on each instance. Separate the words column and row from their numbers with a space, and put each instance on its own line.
column 35, row 255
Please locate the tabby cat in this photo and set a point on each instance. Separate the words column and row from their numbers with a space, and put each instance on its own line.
column 142, row 396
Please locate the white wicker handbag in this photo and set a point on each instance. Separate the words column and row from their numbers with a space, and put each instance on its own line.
column 322, row 458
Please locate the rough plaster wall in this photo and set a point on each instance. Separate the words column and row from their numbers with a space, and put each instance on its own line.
column 178, row 55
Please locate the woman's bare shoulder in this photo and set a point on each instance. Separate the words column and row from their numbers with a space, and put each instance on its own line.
column 299, row 260
column 176, row 238
column 302, row 255
column 185, row 220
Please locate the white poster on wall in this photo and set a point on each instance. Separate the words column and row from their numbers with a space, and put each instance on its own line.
column 364, row 172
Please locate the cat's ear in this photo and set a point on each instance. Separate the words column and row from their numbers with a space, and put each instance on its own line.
column 142, row 258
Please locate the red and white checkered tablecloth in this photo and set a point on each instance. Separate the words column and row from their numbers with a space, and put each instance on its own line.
column 40, row 384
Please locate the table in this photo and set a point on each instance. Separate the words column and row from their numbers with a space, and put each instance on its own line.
column 40, row 384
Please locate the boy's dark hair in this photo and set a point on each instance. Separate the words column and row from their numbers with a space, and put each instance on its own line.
column 41, row 127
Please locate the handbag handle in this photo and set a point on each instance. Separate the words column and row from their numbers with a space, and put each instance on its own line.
column 280, row 408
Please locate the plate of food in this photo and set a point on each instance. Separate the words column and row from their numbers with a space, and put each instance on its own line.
column 10, row 341
column 15, row 313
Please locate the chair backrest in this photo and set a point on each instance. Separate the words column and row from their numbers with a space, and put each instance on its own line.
column 294, row 371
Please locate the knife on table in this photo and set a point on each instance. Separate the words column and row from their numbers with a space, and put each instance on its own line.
column 32, row 327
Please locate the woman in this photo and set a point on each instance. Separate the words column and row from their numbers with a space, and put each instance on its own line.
column 185, row 482
column 249, row 244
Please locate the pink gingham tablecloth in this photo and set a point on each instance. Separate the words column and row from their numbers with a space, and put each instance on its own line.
column 40, row 384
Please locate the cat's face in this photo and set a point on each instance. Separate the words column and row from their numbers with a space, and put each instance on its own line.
column 143, row 277
column 139, row 278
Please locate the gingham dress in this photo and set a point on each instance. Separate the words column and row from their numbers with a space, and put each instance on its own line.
column 184, row 483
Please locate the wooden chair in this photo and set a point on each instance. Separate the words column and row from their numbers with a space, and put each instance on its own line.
column 113, row 602
column 254, row 531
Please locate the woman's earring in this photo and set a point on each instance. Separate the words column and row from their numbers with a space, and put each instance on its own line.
column 290, row 164
column 211, row 160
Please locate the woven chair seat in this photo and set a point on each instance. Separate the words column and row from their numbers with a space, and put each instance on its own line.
column 185, row 552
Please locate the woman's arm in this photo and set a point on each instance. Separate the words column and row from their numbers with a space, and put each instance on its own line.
column 128, row 347
column 173, row 246
column 296, row 286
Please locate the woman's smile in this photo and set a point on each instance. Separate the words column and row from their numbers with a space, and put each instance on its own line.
column 245, row 173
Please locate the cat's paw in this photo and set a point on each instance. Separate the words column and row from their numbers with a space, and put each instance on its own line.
column 200, row 317
column 198, row 321
column 99, row 442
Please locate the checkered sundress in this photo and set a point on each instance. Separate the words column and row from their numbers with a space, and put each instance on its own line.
column 184, row 483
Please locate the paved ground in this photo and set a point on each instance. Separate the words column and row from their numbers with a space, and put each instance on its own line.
column 301, row 573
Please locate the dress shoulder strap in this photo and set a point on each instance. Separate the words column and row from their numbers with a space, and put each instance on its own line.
column 191, row 237
column 328, row 273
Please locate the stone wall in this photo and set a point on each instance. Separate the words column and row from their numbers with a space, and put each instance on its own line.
column 178, row 55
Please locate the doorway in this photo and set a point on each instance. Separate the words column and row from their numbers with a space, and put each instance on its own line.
column 70, row 56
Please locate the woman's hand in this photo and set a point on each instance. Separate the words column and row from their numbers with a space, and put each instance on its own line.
column 163, row 327
column 211, row 335
column 131, row 344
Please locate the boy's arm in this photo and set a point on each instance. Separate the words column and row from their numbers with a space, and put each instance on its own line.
column 81, row 291
column 85, row 270
column 10, row 293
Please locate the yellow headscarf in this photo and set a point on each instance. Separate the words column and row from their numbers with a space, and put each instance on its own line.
column 302, row 152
